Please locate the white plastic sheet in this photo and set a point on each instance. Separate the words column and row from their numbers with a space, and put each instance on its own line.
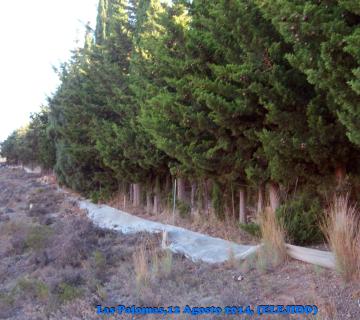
column 193, row 245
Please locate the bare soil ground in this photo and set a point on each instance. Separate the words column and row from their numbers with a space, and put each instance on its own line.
column 55, row 264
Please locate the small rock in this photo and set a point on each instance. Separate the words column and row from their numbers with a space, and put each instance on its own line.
column 240, row 277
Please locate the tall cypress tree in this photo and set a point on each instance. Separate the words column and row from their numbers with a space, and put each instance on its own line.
column 78, row 164
column 320, row 34
column 102, row 21
column 208, row 104
column 120, row 139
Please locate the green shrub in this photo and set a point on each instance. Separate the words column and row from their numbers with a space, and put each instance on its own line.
column 99, row 260
column 183, row 208
column 169, row 199
column 217, row 200
column 95, row 196
column 101, row 195
column 7, row 300
column 67, row 292
column 38, row 237
column 33, row 288
column 251, row 228
column 302, row 216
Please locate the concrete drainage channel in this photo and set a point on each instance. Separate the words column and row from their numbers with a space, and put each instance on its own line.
column 194, row 245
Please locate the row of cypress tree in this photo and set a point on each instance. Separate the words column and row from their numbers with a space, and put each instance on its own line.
column 232, row 98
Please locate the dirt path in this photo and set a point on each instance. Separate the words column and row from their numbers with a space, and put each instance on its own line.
column 55, row 264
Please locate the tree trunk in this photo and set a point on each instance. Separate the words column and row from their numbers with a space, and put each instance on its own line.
column 206, row 197
column 192, row 200
column 242, row 205
column 233, row 201
column 148, row 202
column 261, row 196
column 124, row 193
column 274, row 196
column 181, row 194
column 137, row 195
column 156, row 207
column 174, row 200
column 157, row 190
column 131, row 194
column 340, row 172
column 168, row 185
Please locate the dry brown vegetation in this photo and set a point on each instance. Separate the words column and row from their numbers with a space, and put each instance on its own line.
column 141, row 266
column 342, row 230
column 273, row 251
column 227, row 229
column 55, row 264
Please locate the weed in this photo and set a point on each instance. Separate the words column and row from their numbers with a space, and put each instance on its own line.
column 318, row 269
column 167, row 262
column 101, row 292
column 141, row 267
column 341, row 227
column 155, row 269
column 7, row 300
column 231, row 262
column 99, row 260
column 16, row 233
column 38, row 237
column 67, row 292
column 184, row 208
column 301, row 216
column 9, row 228
column 33, row 288
column 249, row 263
column 273, row 237
column 251, row 228
column 101, row 195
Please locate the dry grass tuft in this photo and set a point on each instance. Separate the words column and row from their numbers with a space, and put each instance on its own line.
column 167, row 263
column 141, row 266
column 273, row 238
column 341, row 228
column 151, row 264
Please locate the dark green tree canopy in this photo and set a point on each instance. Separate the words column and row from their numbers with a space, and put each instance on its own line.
column 228, row 92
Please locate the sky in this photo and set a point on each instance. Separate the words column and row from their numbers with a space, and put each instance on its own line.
column 35, row 36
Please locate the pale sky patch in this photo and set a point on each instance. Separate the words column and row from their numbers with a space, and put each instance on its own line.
column 34, row 36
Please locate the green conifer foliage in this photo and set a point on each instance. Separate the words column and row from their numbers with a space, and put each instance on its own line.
column 121, row 141
column 31, row 145
column 11, row 148
column 316, row 33
column 42, row 145
column 102, row 20
column 78, row 163
column 226, row 96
